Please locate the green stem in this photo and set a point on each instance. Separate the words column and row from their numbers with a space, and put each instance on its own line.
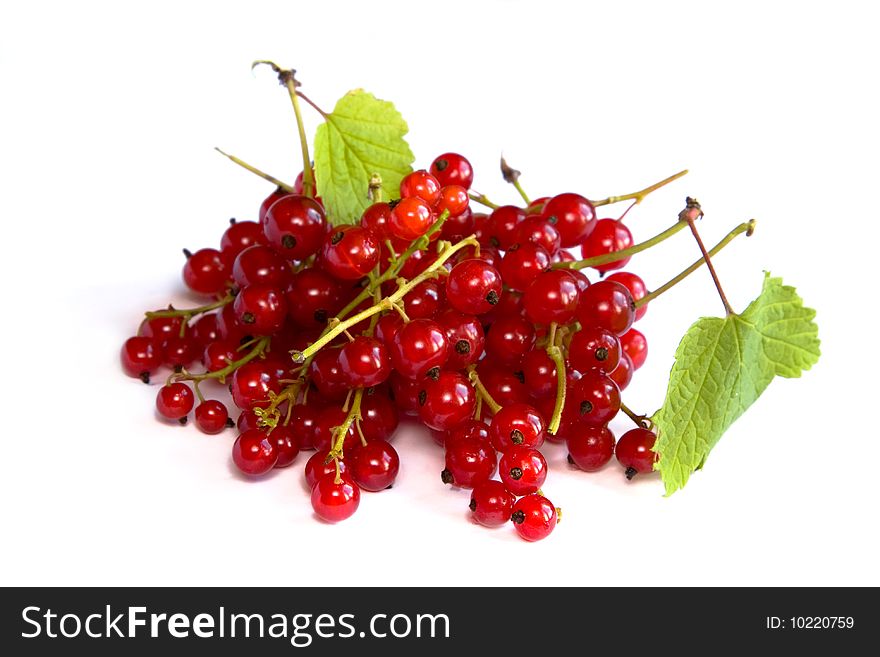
column 693, row 224
column 265, row 176
column 521, row 192
column 639, row 196
column 482, row 393
column 387, row 303
column 354, row 413
column 482, row 199
column 623, row 253
column 308, row 175
column 748, row 228
column 641, row 421
column 259, row 348
column 189, row 312
column 555, row 354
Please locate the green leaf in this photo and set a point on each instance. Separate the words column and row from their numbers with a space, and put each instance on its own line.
column 363, row 136
column 721, row 367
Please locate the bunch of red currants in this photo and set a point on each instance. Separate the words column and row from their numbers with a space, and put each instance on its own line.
column 481, row 325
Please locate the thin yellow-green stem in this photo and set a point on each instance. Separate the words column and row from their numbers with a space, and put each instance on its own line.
column 482, row 393
column 624, row 253
column 640, row 195
column 265, row 176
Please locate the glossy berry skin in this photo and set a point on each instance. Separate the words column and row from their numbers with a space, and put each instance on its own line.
column 607, row 304
column 623, row 373
column 334, row 501
column 295, row 226
column 572, row 215
column 260, row 309
column 453, row 199
column 316, row 468
column 596, row 398
column 204, row 272
column 539, row 373
column 349, row 252
column 538, row 230
column 634, row 452
column 503, row 225
column 364, row 362
column 387, row 327
column 594, row 348
column 376, row 218
column 473, row 286
column 269, row 201
column 411, row 218
column 239, row 236
column 374, row 466
column 452, row 169
column 475, row 429
column 313, row 297
column 228, row 326
column 552, row 297
column 285, row 443
column 160, row 328
column 465, row 337
column 141, row 357
column 252, row 383
column 510, row 338
column 534, row 517
column 253, row 453
column 516, row 425
column 457, row 226
column 326, row 373
column 636, row 287
column 446, row 401
column 179, row 351
column 420, row 184
column 523, row 470
column 424, row 300
column 608, row 236
column 326, row 435
column 379, row 416
column 635, row 345
column 418, row 347
column 590, row 448
column 212, row 416
column 303, row 418
column 503, row 383
column 205, row 330
column 491, row 504
column 175, row 401
column 260, row 264
column 469, row 461
column 405, row 392
column 522, row 264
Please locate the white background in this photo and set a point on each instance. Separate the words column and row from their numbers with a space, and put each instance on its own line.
column 109, row 115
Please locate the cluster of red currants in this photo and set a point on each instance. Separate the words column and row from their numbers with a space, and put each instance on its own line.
column 481, row 325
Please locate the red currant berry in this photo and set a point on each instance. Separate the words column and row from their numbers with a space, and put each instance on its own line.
column 212, row 416
column 239, row 236
column 636, row 287
column 379, row 416
column 491, row 503
column 175, row 401
column 313, row 297
column 608, row 305
column 260, row 309
column 635, row 345
column 285, row 443
column 453, row 169
column 590, row 448
column 326, row 434
column 465, row 337
column 335, row 498
column 419, row 346
column 552, row 297
column 635, row 452
column 522, row 264
column 141, row 357
column 411, row 218
column 473, row 286
column 374, row 466
column 303, row 419
column 534, row 517
column 326, row 373
column 538, row 230
column 609, row 235
column 469, row 461
column 387, row 327
column 364, row 362
column 503, row 225
column 160, row 328
column 424, row 300
column 457, row 226
column 596, row 398
column 516, row 425
column 253, row 453
column 572, row 215
column 503, row 384
column 539, row 372
column 179, row 352
column 204, row 271
column 376, row 218
column 350, row 252
column 260, row 264
column 446, row 401
column 295, row 226
column 270, row 200
column 317, row 467
column 205, row 330
column 220, row 354
column 594, row 348
column 228, row 326
column 623, row 373
column 405, row 393
column 453, row 199
column 510, row 338
column 523, row 470
column 252, row 384
column 476, row 429
column 420, row 184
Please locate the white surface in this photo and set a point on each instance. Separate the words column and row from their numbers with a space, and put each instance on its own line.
column 109, row 116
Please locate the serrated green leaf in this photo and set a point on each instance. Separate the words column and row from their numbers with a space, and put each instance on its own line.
column 722, row 366
column 363, row 136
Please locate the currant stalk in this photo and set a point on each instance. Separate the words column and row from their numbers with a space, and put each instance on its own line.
column 354, row 415
column 259, row 348
column 511, row 175
column 482, row 199
column 482, row 394
column 623, row 253
column 639, row 196
column 265, row 176
column 189, row 313
column 555, row 354
column 691, row 214
column 641, row 421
